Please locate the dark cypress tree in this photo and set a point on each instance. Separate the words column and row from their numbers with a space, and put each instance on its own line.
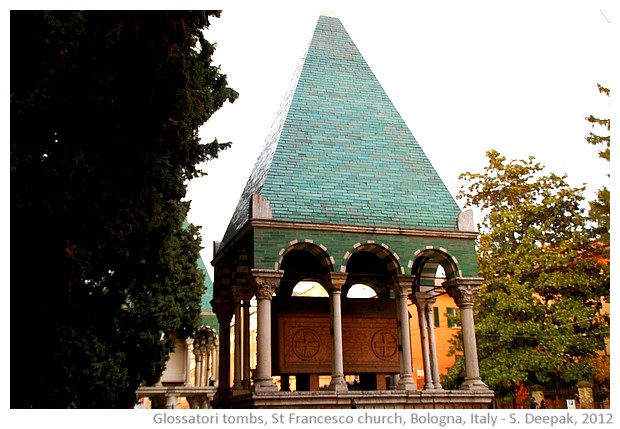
column 105, row 111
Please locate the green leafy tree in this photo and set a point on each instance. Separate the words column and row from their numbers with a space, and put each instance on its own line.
column 600, row 207
column 537, row 313
column 599, row 215
column 105, row 111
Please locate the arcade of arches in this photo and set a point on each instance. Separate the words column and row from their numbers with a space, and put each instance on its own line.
column 321, row 341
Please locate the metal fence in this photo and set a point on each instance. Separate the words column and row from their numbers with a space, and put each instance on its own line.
column 554, row 398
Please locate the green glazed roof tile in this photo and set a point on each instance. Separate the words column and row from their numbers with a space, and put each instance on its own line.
column 340, row 153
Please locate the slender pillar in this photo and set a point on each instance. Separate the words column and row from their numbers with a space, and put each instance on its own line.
column 402, row 286
column 246, row 344
column 215, row 363
column 198, row 374
column 188, row 353
column 335, row 282
column 223, row 309
column 463, row 291
column 420, row 301
column 237, row 385
column 434, row 362
column 266, row 282
column 208, row 365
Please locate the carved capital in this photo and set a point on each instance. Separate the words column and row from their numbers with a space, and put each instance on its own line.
column 423, row 300
column 334, row 281
column 266, row 282
column 463, row 290
column 402, row 284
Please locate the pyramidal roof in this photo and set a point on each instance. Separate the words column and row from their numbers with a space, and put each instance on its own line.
column 340, row 153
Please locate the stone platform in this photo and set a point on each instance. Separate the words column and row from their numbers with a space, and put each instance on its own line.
column 391, row 399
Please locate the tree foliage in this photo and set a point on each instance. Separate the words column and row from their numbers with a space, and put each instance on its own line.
column 537, row 314
column 105, row 111
column 600, row 207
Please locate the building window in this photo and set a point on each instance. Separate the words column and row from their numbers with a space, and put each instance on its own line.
column 453, row 317
column 436, row 316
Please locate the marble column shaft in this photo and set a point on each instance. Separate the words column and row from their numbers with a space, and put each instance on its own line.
column 266, row 283
column 335, row 282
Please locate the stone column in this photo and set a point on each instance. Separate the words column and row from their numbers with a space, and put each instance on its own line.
column 208, row 364
column 241, row 296
column 463, row 291
column 171, row 401
column 215, row 363
column 402, row 286
column 246, row 343
column 188, row 353
column 420, row 301
column 223, row 309
column 266, row 283
column 335, row 281
column 198, row 371
column 237, row 384
column 430, row 325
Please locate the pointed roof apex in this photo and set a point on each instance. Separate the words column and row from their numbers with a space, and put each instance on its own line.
column 329, row 12
column 339, row 153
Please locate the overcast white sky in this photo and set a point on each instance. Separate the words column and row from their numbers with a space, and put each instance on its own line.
column 466, row 77
column 515, row 76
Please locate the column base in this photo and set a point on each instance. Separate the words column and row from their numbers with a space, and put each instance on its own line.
column 338, row 384
column 222, row 393
column 406, row 383
column 240, row 388
column 473, row 384
column 265, row 386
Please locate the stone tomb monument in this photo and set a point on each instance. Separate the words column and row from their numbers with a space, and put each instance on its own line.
column 341, row 195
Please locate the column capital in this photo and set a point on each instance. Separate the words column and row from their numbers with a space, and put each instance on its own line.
column 463, row 289
column 335, row 280
column 266, row 282
column 402, row 284
column 424, row 299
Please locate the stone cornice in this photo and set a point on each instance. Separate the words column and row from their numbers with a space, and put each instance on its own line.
column 379, row 230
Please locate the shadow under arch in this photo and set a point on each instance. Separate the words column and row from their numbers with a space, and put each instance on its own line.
column 426, row 263
column 372, row 265
column 302, row 261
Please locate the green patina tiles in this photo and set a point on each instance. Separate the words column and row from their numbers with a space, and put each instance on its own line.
column 340, row 153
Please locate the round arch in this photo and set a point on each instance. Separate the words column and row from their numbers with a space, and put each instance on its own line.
column 372, row 265
column 318, row 251
column 383, row 252
column 302, row 261
column 426, row 262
